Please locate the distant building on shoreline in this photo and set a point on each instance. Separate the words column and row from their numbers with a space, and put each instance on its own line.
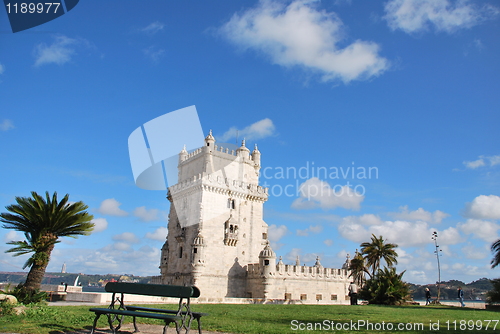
column 218, row 241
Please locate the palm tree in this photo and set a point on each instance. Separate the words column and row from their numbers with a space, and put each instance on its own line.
column 43, row 221
column 376, row 251
column 358, row 269
column 386, row 287
column 495, row 248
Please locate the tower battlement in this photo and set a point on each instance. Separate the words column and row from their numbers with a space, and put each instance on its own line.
column 299, row 272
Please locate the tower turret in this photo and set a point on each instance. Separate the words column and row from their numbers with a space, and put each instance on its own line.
column 243, row 151
column 210, row 142
column 183, row 154
column 256, row 158
column 347, row 262
column 198, row 252
column 267, row 260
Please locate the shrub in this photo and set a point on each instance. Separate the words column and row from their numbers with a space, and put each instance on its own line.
column 28, row 296
column 386, row 287
column 493, row 296
column 6, row 307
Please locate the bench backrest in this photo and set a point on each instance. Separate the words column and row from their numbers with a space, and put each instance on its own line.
column 154, row 289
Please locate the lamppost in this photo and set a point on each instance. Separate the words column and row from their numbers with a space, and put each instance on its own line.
column 434, row 237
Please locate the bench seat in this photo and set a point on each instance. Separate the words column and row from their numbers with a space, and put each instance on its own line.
column 118, row 309
column 196, row 315
column 135, row 314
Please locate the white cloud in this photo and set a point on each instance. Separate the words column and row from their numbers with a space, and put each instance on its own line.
column 311, row 229
column 328, row 242
column 474, row 164
column 397, row 232
column 482, row 229
column 122, row 246
column 472, row 252
column 100, row 224
column 146, row 215
column 154, row 53
column 316, row 193
column 483, row 207
column 419, row 214
column 115, row 258
column 6, row 125
column 366, row 219
column 300, row 35
column 258, row 130
column 111, row 207
column 153, row 28
column 416, row 277
column 12, row 236
column 442, row 15
column 159, row 234
column 127, row 237
column 449, row 236
column 275, row 233
column 483, row 161
column 59, row 52
column 291, row 257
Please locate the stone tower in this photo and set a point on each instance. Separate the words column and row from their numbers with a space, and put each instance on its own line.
column 215, row 226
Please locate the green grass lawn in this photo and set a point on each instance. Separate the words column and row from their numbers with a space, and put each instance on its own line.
column 268, row 319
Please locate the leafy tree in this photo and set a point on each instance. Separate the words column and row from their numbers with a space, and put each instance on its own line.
column 358, row 269
column 495, row 248
column 386, row 287
column 376, row 251
column 493, row 296
column 43, row 221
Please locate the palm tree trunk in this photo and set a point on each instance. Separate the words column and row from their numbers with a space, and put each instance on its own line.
column 35, row 277
column 37, row 271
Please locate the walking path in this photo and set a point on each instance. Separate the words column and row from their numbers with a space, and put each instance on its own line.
column 144, row 329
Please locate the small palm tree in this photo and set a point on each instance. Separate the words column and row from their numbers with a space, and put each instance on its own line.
column 358, row 269
column 495, row 248
column 43, row 221
column 386, row 287
column 376, row 251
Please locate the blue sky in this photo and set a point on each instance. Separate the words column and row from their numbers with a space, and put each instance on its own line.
column 405, row 89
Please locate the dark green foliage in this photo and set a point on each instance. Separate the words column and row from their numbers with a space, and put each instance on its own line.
column 386, row 287
column 493, row 296
column 6, row 308
column 376, row 251
column 495, row 248
column 358, row 269
column 28, row 296
column 43, row 221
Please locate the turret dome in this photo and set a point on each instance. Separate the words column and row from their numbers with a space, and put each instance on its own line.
column 267, row 251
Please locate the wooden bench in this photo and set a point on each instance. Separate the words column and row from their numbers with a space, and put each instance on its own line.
column 182, row 317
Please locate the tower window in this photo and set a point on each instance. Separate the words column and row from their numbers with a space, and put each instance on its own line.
column 266, row 262
column 180, row 253
column 195, row 250
column 230, row 203
column 264, row 236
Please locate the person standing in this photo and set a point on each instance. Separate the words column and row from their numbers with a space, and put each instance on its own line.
column 427, row 296
column 353, row 293
column 461, row 296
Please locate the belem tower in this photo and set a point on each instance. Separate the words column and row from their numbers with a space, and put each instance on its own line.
column 218, row 241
